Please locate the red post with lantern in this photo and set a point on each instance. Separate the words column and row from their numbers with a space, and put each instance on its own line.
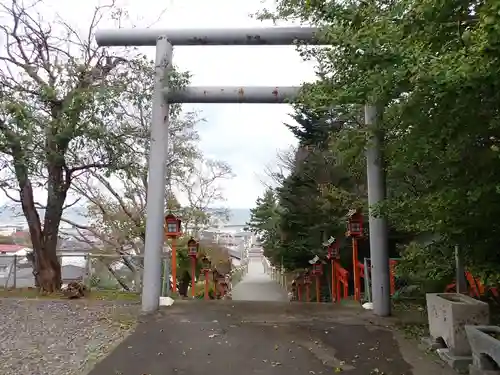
column 206, row 265
column 307, row 283
column 173, row 231
column 333, row 256
column 317, row 271
column 355, row 231
column 193, row 253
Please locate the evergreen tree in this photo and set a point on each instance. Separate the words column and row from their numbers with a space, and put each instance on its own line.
column 265, row 223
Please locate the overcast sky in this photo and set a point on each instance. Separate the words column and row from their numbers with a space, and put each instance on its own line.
column 246, row 136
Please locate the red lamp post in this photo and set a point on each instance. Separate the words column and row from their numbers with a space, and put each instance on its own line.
column 355, row 231
column 317, row 271
column 193, row 246
column 354, row 223
column 307, row 283
column 173, row 231
column 206, row 266
column 333, row 256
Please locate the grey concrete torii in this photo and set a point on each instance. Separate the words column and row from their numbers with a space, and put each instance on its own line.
column 164, row 40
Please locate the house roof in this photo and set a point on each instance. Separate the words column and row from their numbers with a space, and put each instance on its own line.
column 4, row 248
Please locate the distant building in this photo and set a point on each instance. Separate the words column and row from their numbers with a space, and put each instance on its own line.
column 9, row 230
column 7, row 249
column 8, row 254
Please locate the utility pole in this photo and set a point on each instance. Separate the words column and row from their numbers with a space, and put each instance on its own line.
column 460, row 272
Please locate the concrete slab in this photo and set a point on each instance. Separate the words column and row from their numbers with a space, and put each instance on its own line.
column 458, row 363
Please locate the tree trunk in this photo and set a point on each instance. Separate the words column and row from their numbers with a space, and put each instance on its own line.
column 48, row 270
column 46, row 265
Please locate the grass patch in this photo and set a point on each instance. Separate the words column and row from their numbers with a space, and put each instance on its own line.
column 99, row 295
column 123, row 320
column 114, row 295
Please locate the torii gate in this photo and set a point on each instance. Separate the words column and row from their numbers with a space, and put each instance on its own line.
column 164, row 40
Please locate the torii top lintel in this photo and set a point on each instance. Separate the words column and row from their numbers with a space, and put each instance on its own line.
column 210, row 37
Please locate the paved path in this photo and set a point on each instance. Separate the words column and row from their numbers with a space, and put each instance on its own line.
column 265, row 338
column 260, row 337
column 256, row 285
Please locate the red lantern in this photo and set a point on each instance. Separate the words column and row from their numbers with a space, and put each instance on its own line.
column 193, row 247
column 333, row 251
column 206, row 264
column 172, row 226
column 317, row 269
column 354, row 223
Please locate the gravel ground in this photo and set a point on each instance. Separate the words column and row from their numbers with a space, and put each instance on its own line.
column 42, row 337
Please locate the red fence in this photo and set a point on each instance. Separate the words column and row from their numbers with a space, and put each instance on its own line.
column 342, row 282
column 392, row 273
column 476, row 288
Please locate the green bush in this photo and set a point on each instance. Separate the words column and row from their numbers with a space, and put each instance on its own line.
column 430, row 267
column 200, row 290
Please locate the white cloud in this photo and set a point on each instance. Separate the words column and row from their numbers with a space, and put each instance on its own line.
column 246, row 136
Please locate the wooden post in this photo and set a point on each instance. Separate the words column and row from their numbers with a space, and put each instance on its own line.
column 368, row 293
column 338, row 288
column 193, row 276
column 318, row 289
column 14, row 276
column 174, row 265
column 207, row 297
column 88, row 274
column 355, row 268
column 334, row 294
column 138, row 276
column 392, row 277
column 460, row 272
column 164, row 290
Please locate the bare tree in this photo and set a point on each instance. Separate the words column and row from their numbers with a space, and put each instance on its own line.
column 281, row 167
column 116, row 200
column 116, row 207
column 58, row 97
column 202, row 189
column 116, row 211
